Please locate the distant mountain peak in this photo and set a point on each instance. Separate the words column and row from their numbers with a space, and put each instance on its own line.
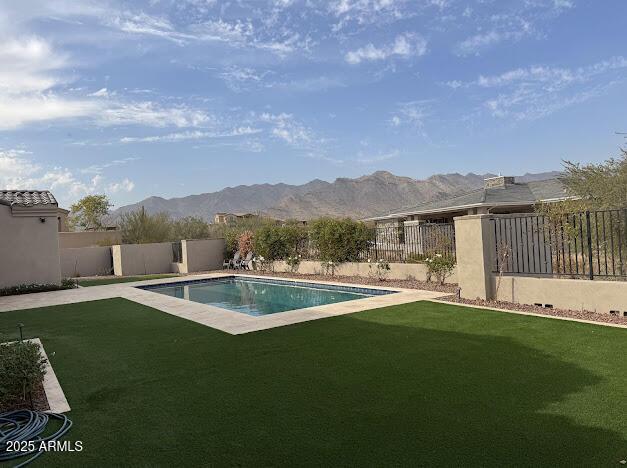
column 361, row 197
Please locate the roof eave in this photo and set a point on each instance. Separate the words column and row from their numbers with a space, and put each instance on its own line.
column 465, row 207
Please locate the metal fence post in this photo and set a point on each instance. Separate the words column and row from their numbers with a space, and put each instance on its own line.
column 590, row 262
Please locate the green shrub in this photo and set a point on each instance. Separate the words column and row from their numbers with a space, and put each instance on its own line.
column 139, row 227
column 66, row 283
column 339, row 240
column 270, row 243
column 295, row 237
column 190, row 227
column 440, row 266
column 22, row 367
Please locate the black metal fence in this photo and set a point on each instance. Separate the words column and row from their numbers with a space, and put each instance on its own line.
column 411, row 243
column 587, row 244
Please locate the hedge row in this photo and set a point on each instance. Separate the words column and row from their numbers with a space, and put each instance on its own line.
column 336, row 240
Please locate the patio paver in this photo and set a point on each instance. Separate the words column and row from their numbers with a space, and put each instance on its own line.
column 225, row 320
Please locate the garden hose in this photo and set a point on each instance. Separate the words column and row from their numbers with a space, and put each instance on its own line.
column 28, row 426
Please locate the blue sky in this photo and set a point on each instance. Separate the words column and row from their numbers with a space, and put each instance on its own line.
column 172, row 98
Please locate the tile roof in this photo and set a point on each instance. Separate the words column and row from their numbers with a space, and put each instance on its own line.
column 27, row 197
column 527, row 193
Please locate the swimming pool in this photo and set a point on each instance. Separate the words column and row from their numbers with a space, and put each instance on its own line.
column 261, row 296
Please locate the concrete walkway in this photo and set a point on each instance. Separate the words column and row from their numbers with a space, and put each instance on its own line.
column 225, row 320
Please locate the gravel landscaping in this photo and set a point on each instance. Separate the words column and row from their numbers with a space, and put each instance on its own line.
column 407, row 284
column 576, row 314
column 451, row 288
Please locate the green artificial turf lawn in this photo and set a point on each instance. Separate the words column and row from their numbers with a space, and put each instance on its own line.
column 421, row 383
column 122, row 279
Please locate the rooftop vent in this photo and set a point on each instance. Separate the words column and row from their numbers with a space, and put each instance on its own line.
column 499, row 181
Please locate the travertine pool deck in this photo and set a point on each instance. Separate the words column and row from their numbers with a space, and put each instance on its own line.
column 225, row 320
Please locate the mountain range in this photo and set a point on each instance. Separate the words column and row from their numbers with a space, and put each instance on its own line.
column 369, row 195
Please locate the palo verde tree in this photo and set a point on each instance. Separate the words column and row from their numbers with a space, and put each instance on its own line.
column 88, row 213
column 599, row 186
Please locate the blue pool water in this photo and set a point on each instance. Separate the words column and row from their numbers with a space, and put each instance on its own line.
column 261, row 296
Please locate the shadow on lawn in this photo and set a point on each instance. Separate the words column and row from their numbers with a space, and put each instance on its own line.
column 392, row 394
column 383, row 387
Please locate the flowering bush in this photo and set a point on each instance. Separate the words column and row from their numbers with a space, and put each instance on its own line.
column 380, row 269
column 328, row 267
column 440, row 266
column 245, row 243
column 293, row 262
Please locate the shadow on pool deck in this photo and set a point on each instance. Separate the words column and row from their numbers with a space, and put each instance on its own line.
column 390, row 386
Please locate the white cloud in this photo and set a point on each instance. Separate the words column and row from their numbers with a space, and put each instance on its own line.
column 29, row 70
column 152, row 114
column 537, row 91
column 563, row 4
column 18, row 171
column 28, row 65
column 144, row 24
column 552, row 76
column 413, row 114
column 366, row 159
column 16, row 111
column 28, row 78
column 288, row 129
column 124, row 185
column 99, row 168
column 404, row 46
column 191, row 135
column 365, row 12
column 477, row 43
column 102, row 92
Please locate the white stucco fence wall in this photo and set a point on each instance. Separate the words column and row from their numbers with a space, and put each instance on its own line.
column 86, row 261
column 202, row 255
column 142, row 259
column 400, row 271
column 564, row 293
column 72, row 240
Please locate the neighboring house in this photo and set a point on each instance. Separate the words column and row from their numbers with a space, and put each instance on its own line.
column 29, row 238
column 429, row 227
column 226, row 218
column 498, row 195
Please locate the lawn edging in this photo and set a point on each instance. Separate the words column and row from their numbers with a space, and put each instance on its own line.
column 534, row 314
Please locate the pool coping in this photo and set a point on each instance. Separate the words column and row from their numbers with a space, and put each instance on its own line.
column 228, row 321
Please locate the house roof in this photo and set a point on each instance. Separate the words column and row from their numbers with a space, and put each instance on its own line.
column 27, row 198
column 516, row 194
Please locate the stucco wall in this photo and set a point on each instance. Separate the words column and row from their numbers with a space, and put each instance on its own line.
column 595, row 296
column 203, row 255
column 142, row 259
column 29, row 248
column 86, row 261
column 474, row 249
column 400, row 271
column 71, row 240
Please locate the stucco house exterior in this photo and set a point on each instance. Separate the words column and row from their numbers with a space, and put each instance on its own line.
column 29, row 238
column 499, row 195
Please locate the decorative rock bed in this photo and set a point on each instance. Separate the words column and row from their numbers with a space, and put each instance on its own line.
column 407, row 284
column 575, row 314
